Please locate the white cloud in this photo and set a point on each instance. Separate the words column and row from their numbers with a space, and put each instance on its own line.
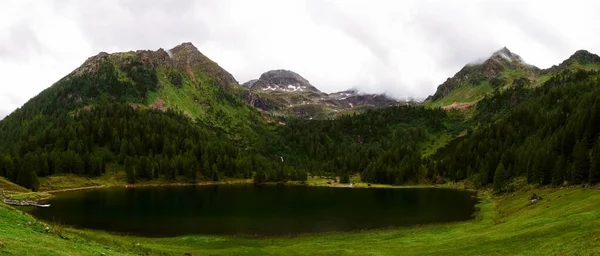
column 403, row 48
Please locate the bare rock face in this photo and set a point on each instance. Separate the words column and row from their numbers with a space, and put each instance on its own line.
column 353, row 98
column 285, row 91
column 154, row 59
column 257, row 101
column 281, row 80
column 505, row 54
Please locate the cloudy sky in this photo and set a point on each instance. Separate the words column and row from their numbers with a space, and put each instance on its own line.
column 402, row 48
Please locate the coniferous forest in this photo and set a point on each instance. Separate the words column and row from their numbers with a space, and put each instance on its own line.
column 547, row 133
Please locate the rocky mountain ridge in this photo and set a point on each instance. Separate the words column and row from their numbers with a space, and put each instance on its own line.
column 284, row 92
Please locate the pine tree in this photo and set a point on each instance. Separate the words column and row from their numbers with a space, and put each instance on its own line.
column 499, row 178
column 345, row 178
column 260, row 177
column 215, row 173
column 130, row 170
column 581, row 165
column 594, row 176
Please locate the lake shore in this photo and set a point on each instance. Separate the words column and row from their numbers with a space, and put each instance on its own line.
column 68, row 182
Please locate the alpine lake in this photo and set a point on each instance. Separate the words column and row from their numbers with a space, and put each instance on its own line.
column 254, row 211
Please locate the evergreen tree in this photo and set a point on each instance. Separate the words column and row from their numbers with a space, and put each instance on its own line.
column 594, row 176
column 499, row 178
column 345, row 178
column 581, row 166
column 130, row 170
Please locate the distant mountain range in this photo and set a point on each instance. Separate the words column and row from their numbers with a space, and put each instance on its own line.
column 288, row 93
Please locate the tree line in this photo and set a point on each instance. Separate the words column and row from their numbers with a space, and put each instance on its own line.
column 548, row 135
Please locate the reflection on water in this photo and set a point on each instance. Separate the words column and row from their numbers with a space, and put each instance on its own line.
column 254, row 211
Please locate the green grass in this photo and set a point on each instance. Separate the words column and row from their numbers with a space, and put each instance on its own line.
column 462, row 94
column 565, row 222
column 6, row 185
column 207, row 103
column 435, row 142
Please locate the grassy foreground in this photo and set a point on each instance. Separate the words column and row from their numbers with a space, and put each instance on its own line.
column 565, row 222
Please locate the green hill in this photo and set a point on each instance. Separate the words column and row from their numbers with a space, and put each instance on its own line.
column 147, row 105
column 502, row 70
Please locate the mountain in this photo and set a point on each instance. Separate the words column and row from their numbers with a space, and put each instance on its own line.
column 284, row 92
column 502, row 70
column 155, row 110
column 474, row 81
column 281, row 80
column 180, row 79
column 177, row 115
column 581, row 59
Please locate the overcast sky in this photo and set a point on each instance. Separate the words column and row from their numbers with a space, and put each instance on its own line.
column 402, row 48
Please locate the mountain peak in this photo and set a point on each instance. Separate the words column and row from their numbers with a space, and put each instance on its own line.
column 473, row 75
column 506, row 54
column 503, row 50
column 187, row 46
column 186, row 55
column 281, row 80
column 187, row 52
column 585, row 57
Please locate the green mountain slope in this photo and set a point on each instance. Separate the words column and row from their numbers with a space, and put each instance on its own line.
column 143, row 105
column 179, row 116
column 182, row 79
column 548, row 134
column 502, row 70
column 474, row 81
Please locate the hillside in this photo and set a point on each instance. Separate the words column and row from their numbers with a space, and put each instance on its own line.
column 181, row 79
column 474, row 81
column 502, row 70
column 158, row 109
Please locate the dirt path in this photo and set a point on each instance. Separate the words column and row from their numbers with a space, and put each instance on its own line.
column 174, row 184
column 456, row 105
column 72, row 189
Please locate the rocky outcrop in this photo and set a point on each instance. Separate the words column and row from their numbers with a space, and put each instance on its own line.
column 372, row 100
column 257, row 101
column 288, row 92
column 154, row 59
column 352, row 98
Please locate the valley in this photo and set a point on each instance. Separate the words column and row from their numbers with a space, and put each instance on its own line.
column 175, row 120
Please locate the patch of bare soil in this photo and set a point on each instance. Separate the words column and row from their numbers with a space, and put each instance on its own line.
column 158, row 104
column 456, row 105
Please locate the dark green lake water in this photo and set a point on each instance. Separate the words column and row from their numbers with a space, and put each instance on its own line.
column 254, row 210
